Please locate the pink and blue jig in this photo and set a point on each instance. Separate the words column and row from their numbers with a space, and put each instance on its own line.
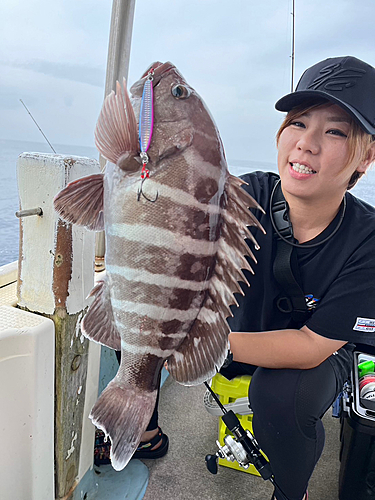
column 146, row 120
column 146, row 117
column 146, row 124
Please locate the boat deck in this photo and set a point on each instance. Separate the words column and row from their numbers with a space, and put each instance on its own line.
column 182, row 473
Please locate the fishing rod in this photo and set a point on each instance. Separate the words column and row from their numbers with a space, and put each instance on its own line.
column 38, row 126
column 242, row 447
column 293, row 45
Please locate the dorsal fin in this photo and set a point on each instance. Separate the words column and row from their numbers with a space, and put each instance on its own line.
column 116, row 130
column 204, row 349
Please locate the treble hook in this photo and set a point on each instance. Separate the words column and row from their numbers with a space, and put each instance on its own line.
column 140, row 192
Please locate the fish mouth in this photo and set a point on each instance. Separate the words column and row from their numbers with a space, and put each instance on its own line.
column 160, row 69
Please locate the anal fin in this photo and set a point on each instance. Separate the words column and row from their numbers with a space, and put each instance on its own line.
column 99, row 324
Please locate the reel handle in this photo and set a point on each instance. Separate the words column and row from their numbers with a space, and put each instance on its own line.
column 211, row 463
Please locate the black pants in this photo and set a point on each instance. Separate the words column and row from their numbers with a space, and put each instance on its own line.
column 288, row 406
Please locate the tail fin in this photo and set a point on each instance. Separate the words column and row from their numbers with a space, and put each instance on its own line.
column 123, row 413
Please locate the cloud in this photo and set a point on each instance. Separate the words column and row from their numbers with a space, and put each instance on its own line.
column 65, row 110
column 66, row 71
column 237, row 58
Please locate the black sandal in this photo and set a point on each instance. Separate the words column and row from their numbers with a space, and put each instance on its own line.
column 102, row 449
column 145, row 450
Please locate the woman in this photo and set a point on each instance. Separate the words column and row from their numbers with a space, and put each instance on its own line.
column 304, row 354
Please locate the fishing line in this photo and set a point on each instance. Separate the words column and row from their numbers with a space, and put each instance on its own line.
column 38, row 126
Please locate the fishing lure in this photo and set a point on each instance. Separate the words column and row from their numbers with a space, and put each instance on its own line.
column 146, row 124
column 146, row 117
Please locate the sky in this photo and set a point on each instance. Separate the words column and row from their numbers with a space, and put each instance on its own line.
column 236, row 54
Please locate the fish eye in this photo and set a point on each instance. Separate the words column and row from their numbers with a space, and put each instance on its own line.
column 180, row 91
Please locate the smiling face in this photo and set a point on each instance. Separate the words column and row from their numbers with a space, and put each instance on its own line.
column 313, row 153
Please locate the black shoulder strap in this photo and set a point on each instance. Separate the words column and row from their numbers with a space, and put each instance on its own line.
column 286, row 260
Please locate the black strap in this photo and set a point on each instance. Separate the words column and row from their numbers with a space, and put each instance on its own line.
column 282, row 270
column 286, row 260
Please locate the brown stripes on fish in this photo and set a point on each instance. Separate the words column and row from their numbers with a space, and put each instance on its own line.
column 158, row 260
column 213, row 154
column 165, row 343
column 183, row 299
column 190, row 364
column 162, row 296
column 140, row 328
column 205, row 189
column 182, row 177
column 170, row 327
column 200, row 355
column 181, row 219
column 147, row 332
column 194, row 268
column 145, row 374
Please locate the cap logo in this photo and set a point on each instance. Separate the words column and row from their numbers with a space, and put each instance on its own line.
column 334, row 77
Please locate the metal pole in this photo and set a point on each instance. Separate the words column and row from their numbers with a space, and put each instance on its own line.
column 117, row 68
column 293, row 46
column 28, row 212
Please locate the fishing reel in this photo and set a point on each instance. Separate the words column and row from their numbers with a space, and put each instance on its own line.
column 242, row 447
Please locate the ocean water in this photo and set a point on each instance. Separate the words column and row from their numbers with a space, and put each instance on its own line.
column 9, row 202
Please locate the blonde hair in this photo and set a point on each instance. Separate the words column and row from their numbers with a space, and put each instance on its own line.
column 359, row 141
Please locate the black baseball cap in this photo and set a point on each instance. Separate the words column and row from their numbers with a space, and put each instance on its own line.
column 346, row 81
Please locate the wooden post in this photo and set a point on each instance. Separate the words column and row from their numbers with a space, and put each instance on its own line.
column 56, row 274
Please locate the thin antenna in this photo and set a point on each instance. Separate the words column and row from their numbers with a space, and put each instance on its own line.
column 293, row 46
column 38, row 126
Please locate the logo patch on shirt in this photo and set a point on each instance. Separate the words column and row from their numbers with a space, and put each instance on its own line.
column 311, row 301
column 365, row 325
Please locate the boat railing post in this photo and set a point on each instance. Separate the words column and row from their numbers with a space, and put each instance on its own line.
column 55, row 276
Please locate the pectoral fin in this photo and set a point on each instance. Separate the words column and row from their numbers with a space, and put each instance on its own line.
column 81, row 202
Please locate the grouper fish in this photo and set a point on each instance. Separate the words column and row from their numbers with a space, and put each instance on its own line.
column 175, row 246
